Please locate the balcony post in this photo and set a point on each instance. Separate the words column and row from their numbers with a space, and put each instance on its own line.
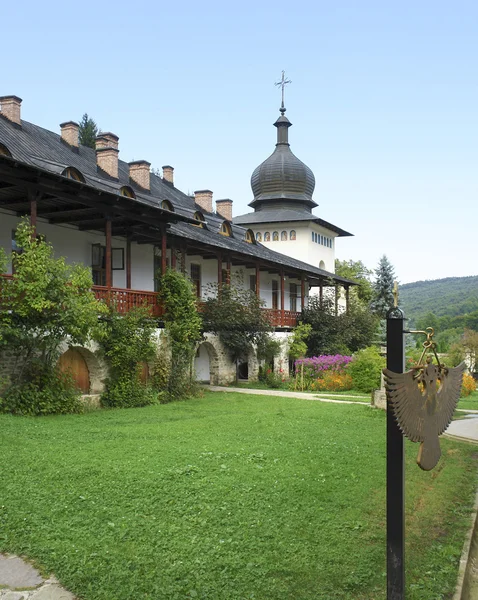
column 302, row 294
column 258, row 280
column 321, row 293
column 128, row 262
column 347, row 298
column 336, row 300
column 33, row 211
column 183, row 259
column 282, row 298
column 219, row 273
column 228, row 270
column 109, row 272
column 173, row 258
column 163, row 250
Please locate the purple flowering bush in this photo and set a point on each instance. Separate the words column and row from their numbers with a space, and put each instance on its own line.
column 325, row 372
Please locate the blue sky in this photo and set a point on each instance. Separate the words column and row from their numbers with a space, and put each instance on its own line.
column 383, row 103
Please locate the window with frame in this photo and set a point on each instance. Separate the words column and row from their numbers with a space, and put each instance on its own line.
column 196, row 278
column 225, row 229
column 4, row 151
column 293, row 297
column 127, row 192
column 72, row 173
column 199, row 217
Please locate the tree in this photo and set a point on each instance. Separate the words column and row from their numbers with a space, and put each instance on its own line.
column 46, row 303
column 88, row 131
column 183, row 328
column 235, row 315
column 356, row 271
column 338, row 334
column 383, row 299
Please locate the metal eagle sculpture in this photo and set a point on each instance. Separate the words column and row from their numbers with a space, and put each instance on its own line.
column 423, row 401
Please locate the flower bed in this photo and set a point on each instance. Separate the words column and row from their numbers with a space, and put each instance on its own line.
column 324, row 373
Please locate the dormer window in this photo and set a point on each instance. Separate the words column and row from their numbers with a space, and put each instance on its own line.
column 166, row 205
column 225, row 229
column 4, row 151
column 249, row 237
column 127, row 191
column 72, row 173
column 200, row 219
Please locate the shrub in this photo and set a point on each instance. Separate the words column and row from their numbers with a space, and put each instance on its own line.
column 43, row 391
column 468, row 385
column 333, row 381
column 365, row 369
column 275, row 380
column 126, row 341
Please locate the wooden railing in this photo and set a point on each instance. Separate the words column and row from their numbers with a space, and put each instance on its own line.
column 125, row 300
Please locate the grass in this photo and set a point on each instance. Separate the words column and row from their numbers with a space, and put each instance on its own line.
column 470, row 402
column 226, row 497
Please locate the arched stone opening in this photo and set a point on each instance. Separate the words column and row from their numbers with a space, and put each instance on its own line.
column 322, row 265
column 87, row 370
column 206, row 364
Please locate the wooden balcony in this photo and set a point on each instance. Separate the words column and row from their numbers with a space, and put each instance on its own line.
column 125, row 300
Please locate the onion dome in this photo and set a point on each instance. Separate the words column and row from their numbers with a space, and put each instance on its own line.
column 282, row 179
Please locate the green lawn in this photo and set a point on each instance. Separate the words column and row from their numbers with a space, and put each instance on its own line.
column 226, row 497
column 470, row 402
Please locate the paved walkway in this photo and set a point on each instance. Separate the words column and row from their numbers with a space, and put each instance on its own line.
column 20, row 581
column 285, row 394
column 464, row 429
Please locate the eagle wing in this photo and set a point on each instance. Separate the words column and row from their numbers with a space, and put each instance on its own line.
column 408, row 403
column 448, row 396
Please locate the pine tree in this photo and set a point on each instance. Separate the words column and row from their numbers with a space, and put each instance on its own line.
column 88, row 131
column 383, row 288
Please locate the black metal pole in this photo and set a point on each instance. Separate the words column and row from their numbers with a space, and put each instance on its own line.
column 395, row 467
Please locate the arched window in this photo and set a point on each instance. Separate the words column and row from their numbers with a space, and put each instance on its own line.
column 127, row 191
column 267, row 237
column 259, row 236
column 283, row 236
column 200, row 219
column 4, row 151
column 166, row 204
column 292, row 236
column 322, row 265
column 72, row 173
column 225, row 229
column 275, row 236
column 249, row 237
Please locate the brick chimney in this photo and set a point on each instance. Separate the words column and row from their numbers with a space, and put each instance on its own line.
column 139, row 173
column 69, row 133
column 107, row 153
column 224, row 208
column 168, row 174
column 204, row 199
column 10, row 108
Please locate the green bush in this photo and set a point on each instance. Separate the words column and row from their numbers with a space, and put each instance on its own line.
column 127, row 392
column 43, row 391
column 365, row 369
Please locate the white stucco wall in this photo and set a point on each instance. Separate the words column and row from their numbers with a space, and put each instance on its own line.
column 302, row 248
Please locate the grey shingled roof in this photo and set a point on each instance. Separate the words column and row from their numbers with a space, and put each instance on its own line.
column 45, row 150
column 283, row 216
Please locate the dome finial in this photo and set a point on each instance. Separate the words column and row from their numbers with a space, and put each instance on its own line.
column 282, row 83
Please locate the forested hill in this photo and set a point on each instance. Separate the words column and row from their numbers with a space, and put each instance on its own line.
column 452, row 297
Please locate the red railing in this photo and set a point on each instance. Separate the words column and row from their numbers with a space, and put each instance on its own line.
column 125, row 300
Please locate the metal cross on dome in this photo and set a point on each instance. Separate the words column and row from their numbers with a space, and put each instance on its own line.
column 282, row 83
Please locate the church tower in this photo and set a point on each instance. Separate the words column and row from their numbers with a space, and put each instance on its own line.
column 282, row 219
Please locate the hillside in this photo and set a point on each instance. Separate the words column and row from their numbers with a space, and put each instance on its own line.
column 453, row 296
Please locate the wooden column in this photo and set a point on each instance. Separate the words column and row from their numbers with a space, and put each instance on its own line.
column 321, row 294
column 347, row 298
column 228, row 270
column 109, row 272
column 183, row 259
column 164, row 249
column 128, row 263
column 173, row 258
column 282, row 297
column 258, row 280
column 336, row 300
column 219, row 273
column 33, row 211
column 302, row 293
